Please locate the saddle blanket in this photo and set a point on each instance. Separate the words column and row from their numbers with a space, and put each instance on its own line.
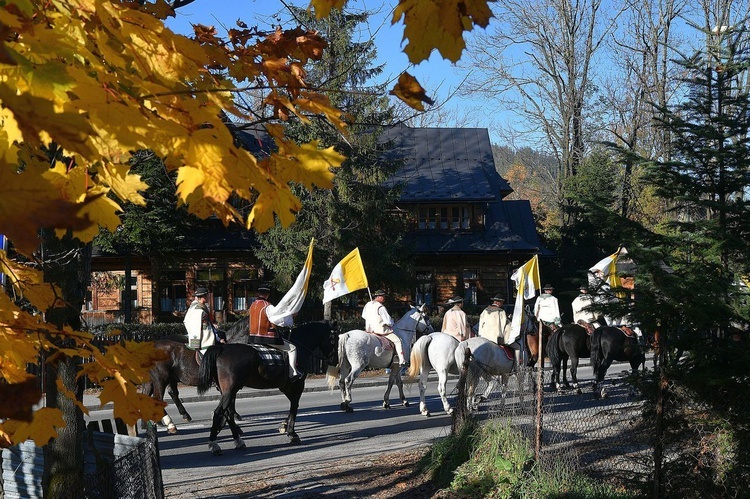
column 270, row 356
column 509, row 352
column 385, row 343
column 628, row 331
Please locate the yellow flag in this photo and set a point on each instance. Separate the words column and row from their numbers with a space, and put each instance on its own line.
column 347, row 276
column 528, row 283
column 283, row 313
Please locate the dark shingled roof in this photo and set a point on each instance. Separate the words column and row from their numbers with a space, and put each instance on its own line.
column 443, row 164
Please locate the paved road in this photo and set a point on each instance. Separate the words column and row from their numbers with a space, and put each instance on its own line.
column 329, row 436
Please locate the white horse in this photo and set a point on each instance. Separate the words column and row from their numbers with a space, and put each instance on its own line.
column 359, row 349
column 434, row 351
column 487, row 360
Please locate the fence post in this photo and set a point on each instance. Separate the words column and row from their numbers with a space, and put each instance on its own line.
column 539, row 396
column 459, row 414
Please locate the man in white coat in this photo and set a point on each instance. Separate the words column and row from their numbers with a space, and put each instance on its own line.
column 378, row 321
column 493, row 321
column 455, row 322
column 546, row 308
column 582, row 304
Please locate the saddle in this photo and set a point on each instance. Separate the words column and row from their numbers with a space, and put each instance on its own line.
column 587, row 326
column 385, row 343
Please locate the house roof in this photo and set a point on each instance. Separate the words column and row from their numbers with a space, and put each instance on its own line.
column 443, row 164
column 509, row 228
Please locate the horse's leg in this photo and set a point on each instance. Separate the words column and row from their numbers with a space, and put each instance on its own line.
column 157, row 392
column 174, row 392
column 574, row 373
column 231, row 411
column 555, row 376
column 219, row 420
column 601, row 373
column 423, row 376
column 565, row 372
column 288, row 424
column 400, row 385
column 391, row 378
column 443, row 391
column 348, row 381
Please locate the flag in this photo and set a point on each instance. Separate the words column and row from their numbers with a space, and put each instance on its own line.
column 528, row 283
column 283, row 313
column 606, row 270
column 347, row 276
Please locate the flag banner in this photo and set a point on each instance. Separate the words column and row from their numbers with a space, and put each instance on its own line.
column 347, row 276
column 283, row 313
column 605, row 270
column 528, row 283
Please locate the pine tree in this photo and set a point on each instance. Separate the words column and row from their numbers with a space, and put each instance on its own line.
column 358, row 211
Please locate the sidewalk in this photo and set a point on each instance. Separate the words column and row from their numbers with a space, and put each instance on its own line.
column 316, row 383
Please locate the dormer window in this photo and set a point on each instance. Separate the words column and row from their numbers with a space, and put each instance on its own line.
column 444, row 217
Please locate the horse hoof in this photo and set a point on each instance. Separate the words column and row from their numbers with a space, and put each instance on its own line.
column 349, row 409
column 426, row 413
column 294, row 439
column 237, row 417
column 187, row 418
column 240, row 446
column 282, row 428
column 578, row 391
column 406, row 403
column 449, row 411
column 386, row 405
column 214, row 448
column 172, row 430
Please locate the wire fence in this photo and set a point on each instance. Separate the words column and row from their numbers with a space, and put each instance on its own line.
column 650, row 447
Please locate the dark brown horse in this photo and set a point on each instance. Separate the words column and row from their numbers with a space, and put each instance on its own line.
column 609, row 344
column 573, row 342
column 233, row 366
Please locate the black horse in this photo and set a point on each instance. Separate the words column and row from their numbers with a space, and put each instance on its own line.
column 573, row 342
column 609, row 344
column 232, row 366
column 182, row 363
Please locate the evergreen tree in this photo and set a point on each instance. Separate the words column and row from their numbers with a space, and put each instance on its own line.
column 358, row 211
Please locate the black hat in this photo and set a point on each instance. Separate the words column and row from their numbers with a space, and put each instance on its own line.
column 454, row 300
column 378, row 292
column 583, row 287
column 547, row 286
column 263, row 288
column 497, row 298
column 201, row 291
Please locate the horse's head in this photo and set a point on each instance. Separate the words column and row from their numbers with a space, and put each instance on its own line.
column 414, row 322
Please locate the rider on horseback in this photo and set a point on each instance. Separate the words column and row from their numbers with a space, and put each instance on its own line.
column 583, row 314
column 546, row 308
column 263, row 332
column 378, row 321
column 493, row 321
column 455, row 322
column 201, row 330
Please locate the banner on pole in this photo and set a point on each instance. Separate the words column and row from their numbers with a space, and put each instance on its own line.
column 347, row 276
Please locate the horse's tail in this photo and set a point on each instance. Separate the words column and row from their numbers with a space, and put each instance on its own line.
column 207, row 371
column 418, row 361
column 596, row 350
column 553, row 348
column 332, row 373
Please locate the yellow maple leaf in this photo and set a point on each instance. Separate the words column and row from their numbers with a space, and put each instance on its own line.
column 439, row 24
column 41, row 429
column 123, row 184
column 129, row 404
column 29, row 283
column 411, row 92
column 323, row 7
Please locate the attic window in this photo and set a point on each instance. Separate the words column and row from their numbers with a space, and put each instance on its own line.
column 444, row 217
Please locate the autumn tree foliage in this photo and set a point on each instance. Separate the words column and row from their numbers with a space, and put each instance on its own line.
column 83, row 84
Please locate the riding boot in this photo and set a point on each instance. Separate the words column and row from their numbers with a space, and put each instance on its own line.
column 293, row 372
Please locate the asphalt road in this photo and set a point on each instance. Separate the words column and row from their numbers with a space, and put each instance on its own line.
column 328, row 436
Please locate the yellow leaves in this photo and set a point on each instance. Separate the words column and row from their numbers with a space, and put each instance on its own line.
column 119, row 371
column 410, row 91
column 440, row 24
column 323, row 7
column 27, row 283
column 41, row 429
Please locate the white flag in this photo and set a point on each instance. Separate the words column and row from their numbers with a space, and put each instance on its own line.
column 283, row 313
column 347, row 276
column 528, row 283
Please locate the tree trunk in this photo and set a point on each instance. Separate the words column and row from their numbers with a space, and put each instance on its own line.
column 67, row 264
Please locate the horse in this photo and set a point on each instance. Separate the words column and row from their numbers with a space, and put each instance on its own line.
column 571, row 341
column 608, row 344
column 434, row 351
column 487, row 360
column 359, row 349
column 232, row 366
column 181, row 364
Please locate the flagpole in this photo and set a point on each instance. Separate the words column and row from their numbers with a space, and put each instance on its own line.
column 368, row 292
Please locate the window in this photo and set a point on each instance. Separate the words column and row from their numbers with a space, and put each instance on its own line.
column 243, row 282
column 424, row 288
column 213, row 279
column 444, row 218
column 172, row 291
column 470, row 278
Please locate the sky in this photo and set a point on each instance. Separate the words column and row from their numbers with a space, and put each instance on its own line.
column 438, row 76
